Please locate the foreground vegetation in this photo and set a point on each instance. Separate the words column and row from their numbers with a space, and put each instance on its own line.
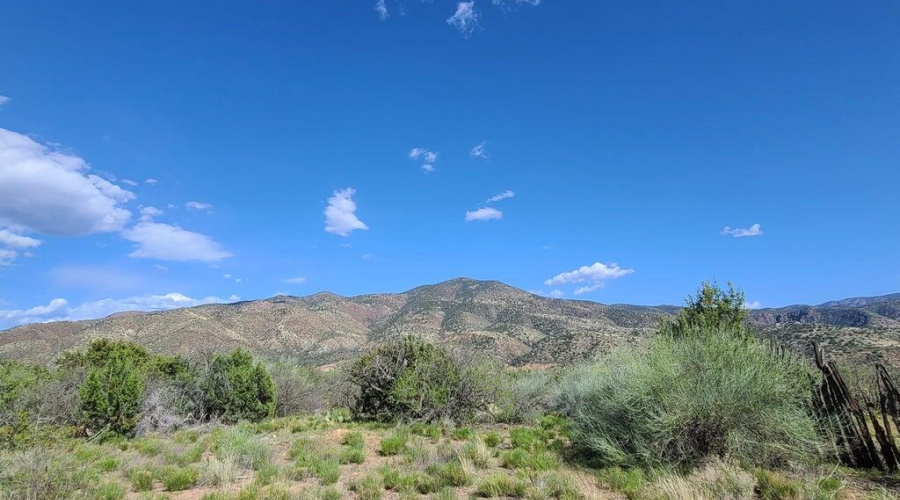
column 704, row 411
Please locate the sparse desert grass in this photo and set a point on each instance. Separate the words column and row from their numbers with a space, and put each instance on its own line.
column 331, row 460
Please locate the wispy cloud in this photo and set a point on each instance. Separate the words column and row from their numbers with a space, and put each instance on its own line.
column 592, row 276
column 168, row 242
column 427, row 156
column 486, row 213
column 197, row 205
column 151, row 181
column 382, row 10
column 465, row 19
column 14, row 241
column 299, row 280
column 752, row 305
column 148, row 213
column 501, row 196
column 340, row 215
column 479, row 151
column 4, row 100
column 129, row 182
column 739, row 232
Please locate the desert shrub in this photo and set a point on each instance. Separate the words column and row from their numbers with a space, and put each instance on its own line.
column 300, row 389
column 715, row 480
column 630, row 483
column 776, row 486
column 43, row 474
column 237, row 388
column 111, row 395
column 245, row 449
column 19, row 385
column 706, row 393
column 352, row 456
column 178, row 478
column 527, row 394
column 476, row 452
column 500, row 485
column 141, row 479
column 410, row 379
column 492, row 439
column 109, row 491
column 711, row 309
column 368, row 488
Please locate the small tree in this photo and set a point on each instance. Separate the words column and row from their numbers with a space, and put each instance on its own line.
column 237, row 388
column 111, row 395
column 711, row 309
column 410, row 379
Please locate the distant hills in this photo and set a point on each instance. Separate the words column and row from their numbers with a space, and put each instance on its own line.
column 521, row 328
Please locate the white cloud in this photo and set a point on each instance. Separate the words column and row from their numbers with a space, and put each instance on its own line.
column 592, row 276
column 426, row 155
column 586, row 289
column 465, row 19
column 168, row 242
column 17, row 241
column 501, row 196
column 129, row 182
column 226, row 276
column 553, row 294
column 196, row 205
column 740, row 232
column 12, row 317
column 7, row 257
column 340, row 215
column 59, row 310
column 4, row 100
column 479, row 151
column 51, row 192
column 299, row 280
column 382, row 10
column 486, row 213
column 161, row 268
column 752, row 305
column 151, row 181
column 533, row 3
column 148, row 213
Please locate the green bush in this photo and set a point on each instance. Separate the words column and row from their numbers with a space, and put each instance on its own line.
column 711, row 309
column 500, row 485
column 177, row 478
column 707, row 393
column 237, row 388
column 111, row 395
column 410, row 379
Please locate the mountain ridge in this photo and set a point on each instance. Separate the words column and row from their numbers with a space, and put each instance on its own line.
column 517, row 326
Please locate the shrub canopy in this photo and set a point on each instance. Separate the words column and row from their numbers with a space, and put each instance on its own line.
column 408, row 378
column 238, row 388
column 712, row 308
column 711, row 392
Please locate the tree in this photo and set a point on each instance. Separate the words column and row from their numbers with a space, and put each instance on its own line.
column 711, row 309
column 237, row 388
column 111, row 395
column 408, row 378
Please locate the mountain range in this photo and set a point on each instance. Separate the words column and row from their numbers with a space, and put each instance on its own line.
column 521, row 328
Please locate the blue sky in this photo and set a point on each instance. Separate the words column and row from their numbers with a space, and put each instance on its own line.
column 626, row 136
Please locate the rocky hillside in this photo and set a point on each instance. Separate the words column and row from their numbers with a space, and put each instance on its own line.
column 491, row 317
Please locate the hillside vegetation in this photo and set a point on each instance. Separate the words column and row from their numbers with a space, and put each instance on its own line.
column 520, row 328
